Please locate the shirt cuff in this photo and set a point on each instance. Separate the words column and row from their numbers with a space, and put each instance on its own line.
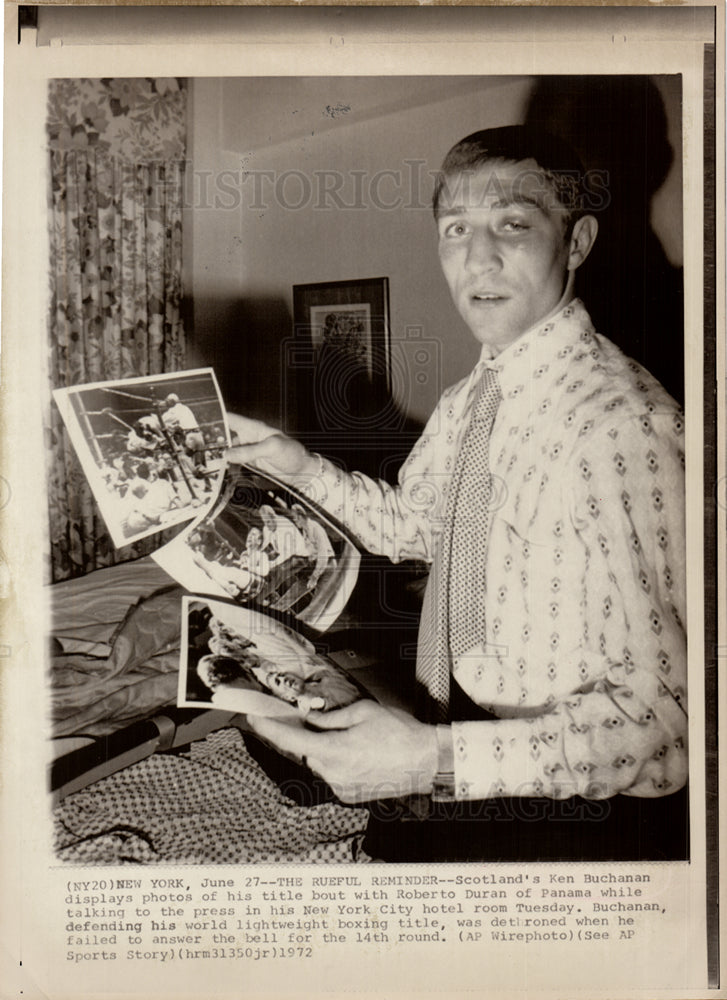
column 326, row 486
column 492, row 759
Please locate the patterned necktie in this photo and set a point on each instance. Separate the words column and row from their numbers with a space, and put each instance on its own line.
column 453, row 615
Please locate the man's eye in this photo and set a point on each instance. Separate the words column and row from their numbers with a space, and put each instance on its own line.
column 514, row 226
column 455, row 229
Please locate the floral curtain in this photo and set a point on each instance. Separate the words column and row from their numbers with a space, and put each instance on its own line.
column 116, row 150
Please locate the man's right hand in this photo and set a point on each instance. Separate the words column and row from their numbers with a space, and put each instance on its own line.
column 266, row 448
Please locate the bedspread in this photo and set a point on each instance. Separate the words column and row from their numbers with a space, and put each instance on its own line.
column 85, row 611
column 211, row 805
column 114, row 649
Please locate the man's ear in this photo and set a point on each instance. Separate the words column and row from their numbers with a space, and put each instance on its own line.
column 582, row 239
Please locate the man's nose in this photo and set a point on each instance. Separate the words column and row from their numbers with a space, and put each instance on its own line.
column 482, row 253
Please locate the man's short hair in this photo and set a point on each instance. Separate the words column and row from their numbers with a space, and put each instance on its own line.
column 558, row 162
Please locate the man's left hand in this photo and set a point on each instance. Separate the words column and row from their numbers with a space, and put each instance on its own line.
column 364, row 751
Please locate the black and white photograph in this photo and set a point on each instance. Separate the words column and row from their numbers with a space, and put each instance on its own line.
column 242, row 661
column 361, row 557
column 261, row 543
column 151, row 448
column 533, row 516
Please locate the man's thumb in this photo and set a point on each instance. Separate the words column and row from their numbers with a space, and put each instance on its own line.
column 250, row 454
column 340, row 718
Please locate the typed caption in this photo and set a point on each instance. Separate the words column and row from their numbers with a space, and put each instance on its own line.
column 253, row 918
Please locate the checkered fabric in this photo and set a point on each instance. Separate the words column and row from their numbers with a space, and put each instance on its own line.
column 210, row 805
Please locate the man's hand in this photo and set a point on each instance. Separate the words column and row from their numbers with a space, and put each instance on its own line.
column 268, row 449
column 364, row 751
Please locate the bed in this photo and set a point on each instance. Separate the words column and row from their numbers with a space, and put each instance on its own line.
column 135, row 779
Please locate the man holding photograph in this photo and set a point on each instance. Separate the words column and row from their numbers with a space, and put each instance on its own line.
column 547, row 493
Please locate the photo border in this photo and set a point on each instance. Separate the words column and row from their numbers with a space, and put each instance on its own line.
column 706, row 491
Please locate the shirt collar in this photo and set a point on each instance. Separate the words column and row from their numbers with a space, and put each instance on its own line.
column 546, row 345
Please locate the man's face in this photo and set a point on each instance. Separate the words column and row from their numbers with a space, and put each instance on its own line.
column 502, row 248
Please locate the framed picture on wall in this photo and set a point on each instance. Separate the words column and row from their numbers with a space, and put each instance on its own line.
column 350, row 320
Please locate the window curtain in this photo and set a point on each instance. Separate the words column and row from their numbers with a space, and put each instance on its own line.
column 116, row 151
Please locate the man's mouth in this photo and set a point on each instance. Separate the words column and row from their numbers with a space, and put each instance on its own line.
column 487, row 297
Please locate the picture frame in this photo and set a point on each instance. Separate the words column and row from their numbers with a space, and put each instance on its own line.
column 352, row 318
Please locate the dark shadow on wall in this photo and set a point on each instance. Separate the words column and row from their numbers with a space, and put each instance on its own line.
column 243, row 342
column 351, row 416
column 634, row 294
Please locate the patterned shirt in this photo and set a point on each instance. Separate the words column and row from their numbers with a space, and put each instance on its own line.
column 584, row 657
